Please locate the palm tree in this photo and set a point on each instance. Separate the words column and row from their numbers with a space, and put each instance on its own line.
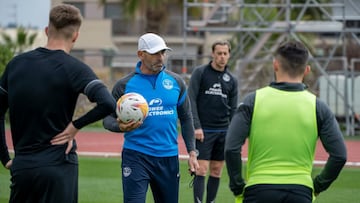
column 9, row 47
column 5, row 56
column 22, row 41
column 155, row 12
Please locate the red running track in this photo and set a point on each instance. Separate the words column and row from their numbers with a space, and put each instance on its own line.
column 105, row 143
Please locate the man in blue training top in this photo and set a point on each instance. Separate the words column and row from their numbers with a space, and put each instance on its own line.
column 150, row 154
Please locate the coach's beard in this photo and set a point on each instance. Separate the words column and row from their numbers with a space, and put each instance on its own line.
column 156, row 67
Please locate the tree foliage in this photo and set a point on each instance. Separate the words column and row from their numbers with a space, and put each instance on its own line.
column 22, row 41
column 10, row 47
column 5, row 56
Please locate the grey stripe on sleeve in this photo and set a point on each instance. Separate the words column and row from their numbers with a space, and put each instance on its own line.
column 91, row 84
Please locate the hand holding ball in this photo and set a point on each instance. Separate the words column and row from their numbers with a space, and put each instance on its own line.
column 132, row 107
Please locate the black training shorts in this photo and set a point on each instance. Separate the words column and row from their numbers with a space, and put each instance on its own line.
column 212, row 148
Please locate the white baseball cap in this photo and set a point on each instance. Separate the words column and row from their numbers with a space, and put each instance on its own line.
column 151, row 43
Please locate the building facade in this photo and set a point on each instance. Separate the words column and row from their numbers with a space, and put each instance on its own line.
column 108, row 37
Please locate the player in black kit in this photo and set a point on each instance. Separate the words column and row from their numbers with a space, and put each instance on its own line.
column 40, row 88
column 213, row 93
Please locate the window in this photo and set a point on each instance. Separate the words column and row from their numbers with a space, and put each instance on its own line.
column 113, row 11
column 176, row 65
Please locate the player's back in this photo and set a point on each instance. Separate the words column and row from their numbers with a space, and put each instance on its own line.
column 42, row 93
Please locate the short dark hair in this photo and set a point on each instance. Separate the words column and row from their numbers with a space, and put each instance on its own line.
column 64, row 19
column 221, row 42
column 292, row 56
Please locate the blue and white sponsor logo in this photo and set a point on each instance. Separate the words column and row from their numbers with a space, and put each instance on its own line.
column 157, row 109
column 156, row 101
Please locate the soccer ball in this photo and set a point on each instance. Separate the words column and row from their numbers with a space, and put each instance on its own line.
column 132, row 107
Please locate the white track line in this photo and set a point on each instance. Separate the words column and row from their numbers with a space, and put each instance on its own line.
column 181, row 156
column 100, row 154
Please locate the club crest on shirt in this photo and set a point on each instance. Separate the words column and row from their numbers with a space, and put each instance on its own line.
column 126, row 171
column 168, row 84
column 226, row 77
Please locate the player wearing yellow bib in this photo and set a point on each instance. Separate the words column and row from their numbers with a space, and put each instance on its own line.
column 282, row 123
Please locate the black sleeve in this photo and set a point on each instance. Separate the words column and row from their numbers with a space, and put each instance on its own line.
column 110, row 123
column 185, row 115
column 233, row 100
column 333, row 142
column 193, row 91
column 96, row 92
column 187, row 128
column 4, row 105
column 4, row 153
column 238, row 131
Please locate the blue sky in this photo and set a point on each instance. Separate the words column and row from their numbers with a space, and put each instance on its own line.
column 28, row 13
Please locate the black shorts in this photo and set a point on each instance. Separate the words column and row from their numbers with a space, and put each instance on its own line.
column 45, row 184
column 212, row 148
column 268, row 193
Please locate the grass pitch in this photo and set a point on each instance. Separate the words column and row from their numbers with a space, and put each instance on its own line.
column 100, row 182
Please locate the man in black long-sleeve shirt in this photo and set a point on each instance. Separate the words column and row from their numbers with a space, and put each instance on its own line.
column 282, row 123
column 213, row 93
column 40, row 88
